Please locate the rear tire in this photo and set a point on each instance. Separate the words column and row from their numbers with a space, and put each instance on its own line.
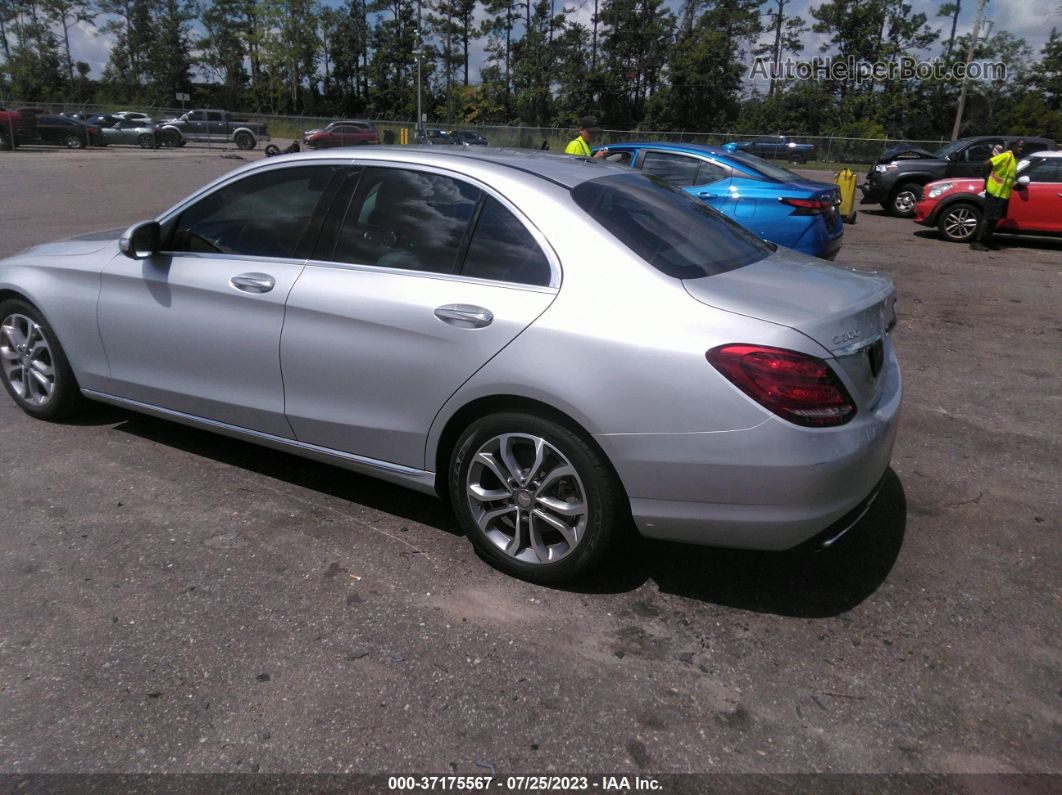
column 958, row 222
column 73, row 142
column 551, row 513
column 33, row 365
column 146, row 141
column 903, row 201
column 244, row 141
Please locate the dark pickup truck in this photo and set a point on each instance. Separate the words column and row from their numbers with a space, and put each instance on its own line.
column 16, row 126
column 211, row 126
column 896, row 180
column 774, row 147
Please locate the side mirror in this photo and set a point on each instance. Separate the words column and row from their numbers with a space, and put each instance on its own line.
column 1022, row 182
column 140, row 241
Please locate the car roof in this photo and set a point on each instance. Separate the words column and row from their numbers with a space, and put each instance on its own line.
column 1045, row 153
column 563, row 170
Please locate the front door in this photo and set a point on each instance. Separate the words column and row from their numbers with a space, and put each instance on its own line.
column 425, row 278
column 196, row 329
column 1037, row 207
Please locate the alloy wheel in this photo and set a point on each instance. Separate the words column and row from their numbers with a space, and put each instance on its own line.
column 27, row 360
column 527, row 498
column 960, row 223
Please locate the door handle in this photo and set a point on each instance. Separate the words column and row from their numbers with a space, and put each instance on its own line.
column 253, row 282
column 464, row 315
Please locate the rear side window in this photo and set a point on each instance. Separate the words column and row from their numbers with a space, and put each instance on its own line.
column 502, row 249
column 263, row 214
column 408, row 219
column 672, row 231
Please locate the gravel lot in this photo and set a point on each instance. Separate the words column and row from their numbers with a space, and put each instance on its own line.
column 177, row 601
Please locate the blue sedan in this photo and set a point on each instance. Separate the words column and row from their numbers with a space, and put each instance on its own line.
column 769, row 200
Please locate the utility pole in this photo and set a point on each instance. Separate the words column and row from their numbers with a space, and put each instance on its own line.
column 420, row 58
column 969, row 60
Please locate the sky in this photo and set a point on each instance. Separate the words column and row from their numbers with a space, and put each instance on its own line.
column 1028, row 19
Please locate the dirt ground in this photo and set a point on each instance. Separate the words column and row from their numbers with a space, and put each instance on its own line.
column 177, row 601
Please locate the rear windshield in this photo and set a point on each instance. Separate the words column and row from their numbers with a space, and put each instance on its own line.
column 760, row 167
column 672, row 231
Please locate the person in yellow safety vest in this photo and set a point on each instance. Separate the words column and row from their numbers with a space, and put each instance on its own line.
column 1002, row 170
column 580, row 147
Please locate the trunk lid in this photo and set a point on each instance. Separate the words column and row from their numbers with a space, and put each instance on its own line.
column 846, row 311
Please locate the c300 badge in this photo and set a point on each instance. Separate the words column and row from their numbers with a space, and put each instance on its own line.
column 848, row 336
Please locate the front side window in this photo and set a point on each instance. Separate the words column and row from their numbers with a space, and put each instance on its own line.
column 503, row 250
column 1047, row 170
column 197, row 115
column 264, row 214
column 672, row 231
column 399, row 218
column 980, row 152
column 674, row 169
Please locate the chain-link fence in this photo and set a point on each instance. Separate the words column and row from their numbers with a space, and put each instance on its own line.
column 828, row 149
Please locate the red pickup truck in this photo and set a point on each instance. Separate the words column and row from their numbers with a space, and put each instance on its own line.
column 15, row 125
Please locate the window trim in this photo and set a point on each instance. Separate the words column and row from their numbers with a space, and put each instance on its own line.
column 168, row 219
column 727, row 169
column 556, row 271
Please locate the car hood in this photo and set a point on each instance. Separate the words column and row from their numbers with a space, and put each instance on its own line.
column 905, row 152
column 76, row 246
column 838, row 307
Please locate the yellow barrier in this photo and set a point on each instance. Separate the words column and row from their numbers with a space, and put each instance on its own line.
column 846, row 181
column 403, row 136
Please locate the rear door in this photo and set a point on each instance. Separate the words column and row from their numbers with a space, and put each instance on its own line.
column 421, row 277
column 709, row 182
column 1037, row 207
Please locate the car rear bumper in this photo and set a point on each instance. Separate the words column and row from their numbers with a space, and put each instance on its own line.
column 771, row 487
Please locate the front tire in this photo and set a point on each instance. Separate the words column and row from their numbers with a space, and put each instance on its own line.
column 536, row 500
column 146, row 141
column 903, row 201
column 33, row 365
column 958, row 222
column 73, row 142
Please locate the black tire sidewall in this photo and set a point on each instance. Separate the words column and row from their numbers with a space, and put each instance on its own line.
column 244, row 142
column 73, row 142
column 604, row 496
column 67, row 397
column 146, row 141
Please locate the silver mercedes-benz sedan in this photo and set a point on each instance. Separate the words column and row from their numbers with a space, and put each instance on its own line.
column 555, row 346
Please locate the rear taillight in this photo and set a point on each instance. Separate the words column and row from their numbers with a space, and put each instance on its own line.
column 800, row 388
column 806, row 206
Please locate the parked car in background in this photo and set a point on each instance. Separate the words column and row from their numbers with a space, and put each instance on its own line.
column 71, row 133
column 78, row 115
column 557, row 346
column 774, row 147
column 468, row 138
column 955, row 206
column 212, row 126
column 136, row 132
column 769, row 200
column 16, row 126
column 132, row 115
column 896, row 180
column 341, row 133
column 433, row 138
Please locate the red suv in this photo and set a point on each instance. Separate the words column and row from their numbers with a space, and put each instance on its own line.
column 954, row 206
column 341, row 133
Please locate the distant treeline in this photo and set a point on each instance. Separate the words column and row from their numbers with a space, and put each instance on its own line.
column 635, row 64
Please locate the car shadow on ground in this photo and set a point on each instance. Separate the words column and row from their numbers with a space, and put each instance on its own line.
column 296, row 470
column 806, row 584
column 798, row 584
